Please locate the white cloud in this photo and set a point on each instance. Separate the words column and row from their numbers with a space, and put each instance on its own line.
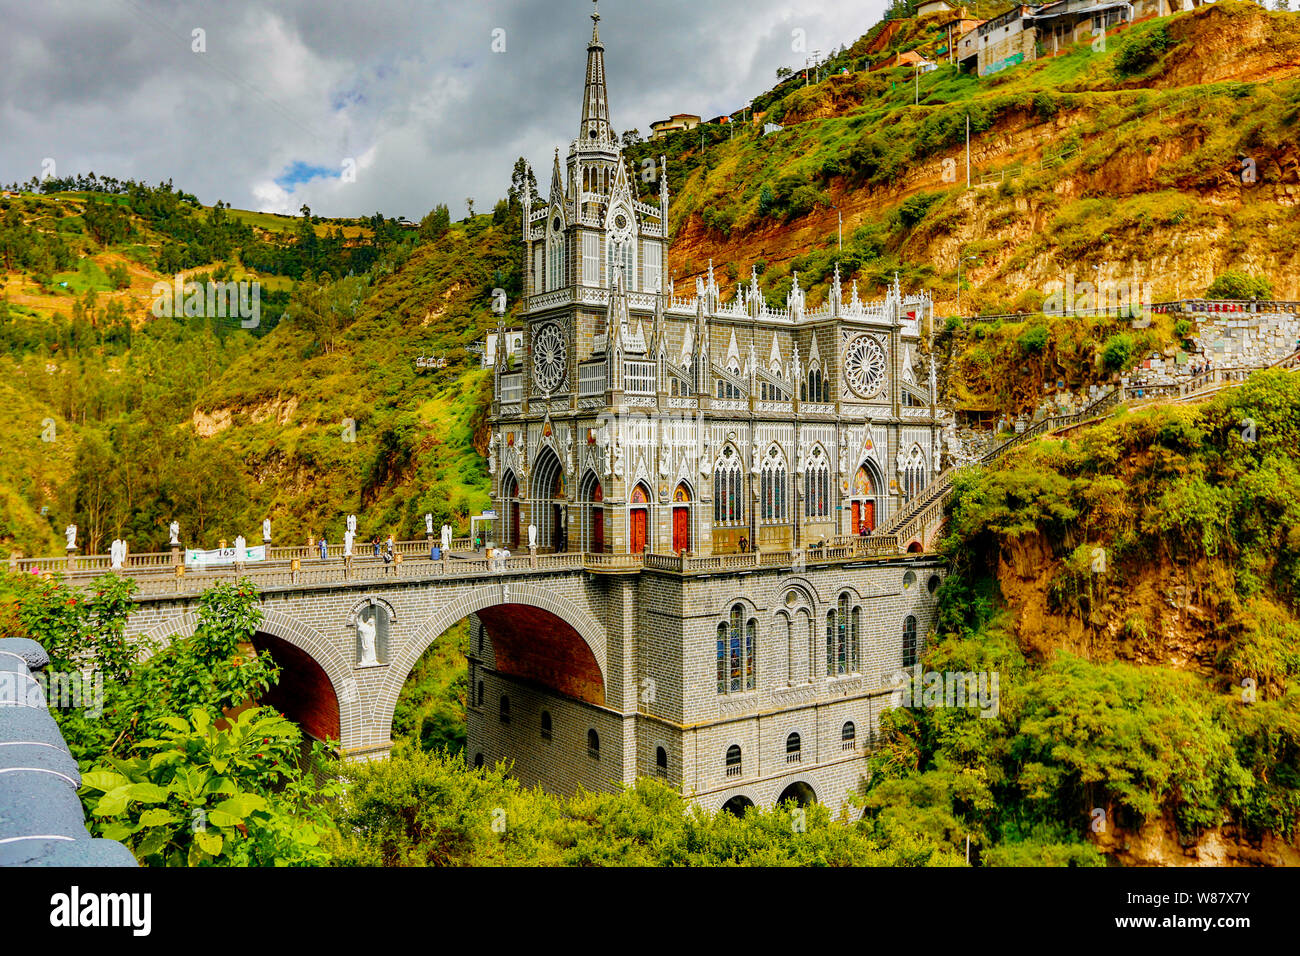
column 409, row 89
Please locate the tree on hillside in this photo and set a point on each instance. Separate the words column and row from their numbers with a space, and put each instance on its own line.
column 435, row 223
column 324, row 308
column 632, row 137
column 1239, row 285
column 782, row 72
column 307, row 240
column 522, row 178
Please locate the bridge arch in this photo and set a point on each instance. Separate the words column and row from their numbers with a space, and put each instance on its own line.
column 312, row 664
column 582, row 638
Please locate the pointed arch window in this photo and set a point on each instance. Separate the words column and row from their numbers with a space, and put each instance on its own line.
column 772, row 487
column 909, row 641
column 913, row 476
column 817, row 486
column 814, row 389
column 728, row 492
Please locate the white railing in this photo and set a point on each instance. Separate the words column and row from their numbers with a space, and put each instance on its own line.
column 591, row 379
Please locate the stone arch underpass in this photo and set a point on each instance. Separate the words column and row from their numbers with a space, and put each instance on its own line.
column 539, row 634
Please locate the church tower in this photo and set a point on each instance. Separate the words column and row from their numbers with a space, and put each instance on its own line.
column 731, row 476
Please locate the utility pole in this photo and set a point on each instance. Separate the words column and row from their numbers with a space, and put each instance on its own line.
column 967, row 151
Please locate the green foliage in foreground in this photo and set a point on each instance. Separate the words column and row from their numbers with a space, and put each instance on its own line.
column 425, row 809
column 177, row 761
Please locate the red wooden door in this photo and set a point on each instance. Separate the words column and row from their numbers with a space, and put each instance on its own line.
column 681, row 529
column 598, row 530
column 857, row 518
column 638, row 530
column 869, row 514
column 514, row 522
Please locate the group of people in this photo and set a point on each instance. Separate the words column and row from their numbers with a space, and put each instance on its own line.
column 387, row 550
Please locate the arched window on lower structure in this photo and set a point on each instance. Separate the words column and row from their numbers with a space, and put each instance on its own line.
column 733, row 761
column 848, row 736
column 793, row 748
column 593, row 744
column 661, row 763
column 843, row 638
column 546, row 725
column 737, row 651
column 909, row 641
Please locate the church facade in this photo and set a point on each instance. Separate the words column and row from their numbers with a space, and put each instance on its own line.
column 634, row 420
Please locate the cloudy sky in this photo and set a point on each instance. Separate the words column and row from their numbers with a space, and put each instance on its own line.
column 265, row 105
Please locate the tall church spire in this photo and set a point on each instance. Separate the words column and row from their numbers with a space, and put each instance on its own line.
column 595, row 128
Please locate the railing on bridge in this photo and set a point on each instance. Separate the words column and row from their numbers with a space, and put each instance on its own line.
column 155, row 580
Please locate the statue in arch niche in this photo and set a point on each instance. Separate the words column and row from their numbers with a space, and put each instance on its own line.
column 372, row 635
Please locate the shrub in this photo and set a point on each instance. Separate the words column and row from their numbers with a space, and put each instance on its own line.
column 1033, row 340
column 1140, row 50
column 1117, row 353
column 1239, row 285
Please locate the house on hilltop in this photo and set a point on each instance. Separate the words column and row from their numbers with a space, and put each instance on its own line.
column 661, row 128
column 1027, row 32
column 928, row 7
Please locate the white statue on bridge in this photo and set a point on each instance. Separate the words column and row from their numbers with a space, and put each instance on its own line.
column 366, row 628
column 446, row 538
column 532, row 536
column 266, row 530
column 428, row 522
column 117, row 554
column 175, row 529
column 352, row 523
column 347, row 542
column 71, row 533
column 241, row 548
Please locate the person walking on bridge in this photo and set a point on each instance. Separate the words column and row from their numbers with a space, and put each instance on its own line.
column 324, row 548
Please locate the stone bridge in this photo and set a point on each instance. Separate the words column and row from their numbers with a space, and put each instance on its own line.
column 619, row 649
